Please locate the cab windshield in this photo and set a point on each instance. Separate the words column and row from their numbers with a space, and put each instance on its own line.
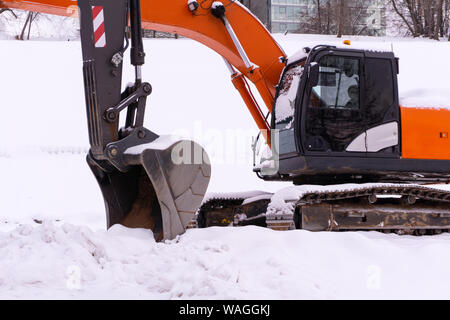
column 285, row 104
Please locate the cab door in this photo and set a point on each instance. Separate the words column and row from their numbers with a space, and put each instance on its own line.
column 346, row 113
column 334, row 115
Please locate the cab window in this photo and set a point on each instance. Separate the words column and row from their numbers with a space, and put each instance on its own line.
column 338, row 85
column 333, row 117
column 287, row 94
column 284, row 109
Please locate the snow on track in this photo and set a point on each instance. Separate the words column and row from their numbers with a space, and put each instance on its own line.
column 283, row 201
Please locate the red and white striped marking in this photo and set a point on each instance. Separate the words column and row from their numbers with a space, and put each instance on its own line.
column 99, row 26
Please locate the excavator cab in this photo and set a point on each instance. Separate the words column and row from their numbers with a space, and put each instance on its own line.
column 346, row 101
column 337, row 119
column 337, row 106
column 147, row 181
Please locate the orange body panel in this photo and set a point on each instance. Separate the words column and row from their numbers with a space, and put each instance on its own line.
column 425, row 133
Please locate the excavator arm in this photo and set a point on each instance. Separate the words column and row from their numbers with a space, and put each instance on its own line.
column 150, row 181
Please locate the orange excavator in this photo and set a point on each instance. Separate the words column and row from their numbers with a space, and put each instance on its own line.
column 333, row 117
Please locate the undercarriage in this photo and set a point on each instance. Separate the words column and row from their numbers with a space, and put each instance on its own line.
column 403, row 209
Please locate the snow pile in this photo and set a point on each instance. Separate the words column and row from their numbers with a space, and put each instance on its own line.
column 47, row 261
column 426, row 98
column 71, row 261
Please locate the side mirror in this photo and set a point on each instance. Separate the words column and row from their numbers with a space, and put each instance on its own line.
column 313, row 74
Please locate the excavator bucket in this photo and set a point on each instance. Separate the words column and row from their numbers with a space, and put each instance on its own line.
column 161, row 191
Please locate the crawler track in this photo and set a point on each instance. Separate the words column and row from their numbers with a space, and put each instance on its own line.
column 404, row 209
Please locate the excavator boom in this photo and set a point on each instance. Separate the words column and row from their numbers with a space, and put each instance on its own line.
column 174, row 16
column 263, row 52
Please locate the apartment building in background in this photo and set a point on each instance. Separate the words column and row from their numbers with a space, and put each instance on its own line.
column 280, row 16
column 261, row 9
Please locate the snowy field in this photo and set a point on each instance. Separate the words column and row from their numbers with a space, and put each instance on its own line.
column 53, row 242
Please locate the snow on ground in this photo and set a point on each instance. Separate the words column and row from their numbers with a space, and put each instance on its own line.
column 44, row 26
column 44, row 178
column 220, row 263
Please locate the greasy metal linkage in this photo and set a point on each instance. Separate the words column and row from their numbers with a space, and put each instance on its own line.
column 139, row 95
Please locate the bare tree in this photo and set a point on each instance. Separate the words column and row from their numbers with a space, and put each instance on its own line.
column 401, row 15
column 8, row 10
column 439, row 29
column 338, row 17
column 328, row 10
column 341, row 18
column 31, row 16
column 445, row 25
column 426, row 18
column 320, row 22
column 323, row 21
column 319, row 16
column 7, row 17
column 20, row 37
column 359, row 19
